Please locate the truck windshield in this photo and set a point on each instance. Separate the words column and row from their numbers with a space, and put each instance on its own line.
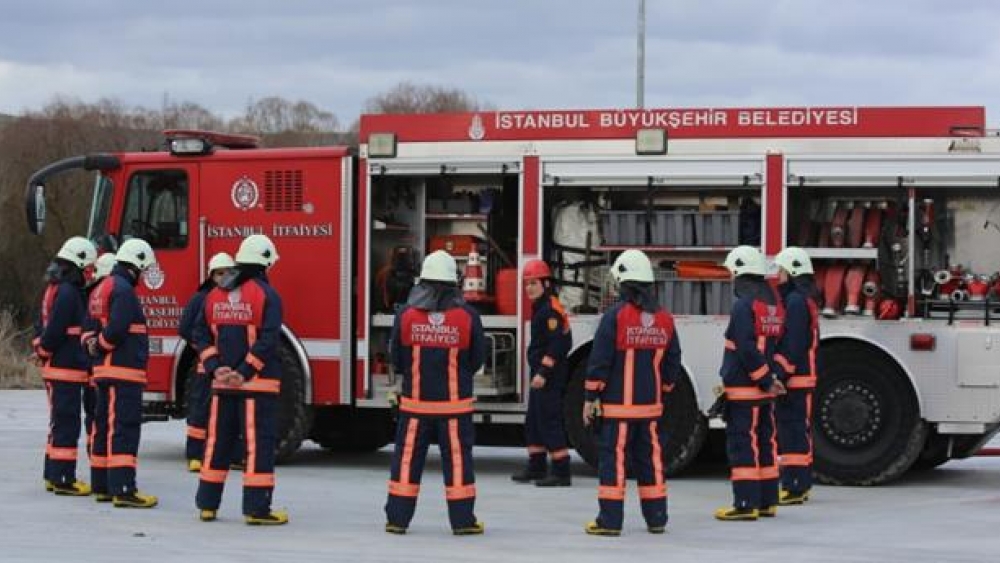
column 100, row 208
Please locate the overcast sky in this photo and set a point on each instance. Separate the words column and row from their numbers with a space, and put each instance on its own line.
column 510, row 54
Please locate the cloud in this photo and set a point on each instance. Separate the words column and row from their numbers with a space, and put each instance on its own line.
column 515, row 54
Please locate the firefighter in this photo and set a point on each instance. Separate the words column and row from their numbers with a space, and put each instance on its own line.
column 798, row 359
column 102, row 269
column 64, row 364
column 551, row 341
column 635, row 361
column 438, row 344
column 748, row 376
column 238, row 336
column 120, row 352
column 199, row 394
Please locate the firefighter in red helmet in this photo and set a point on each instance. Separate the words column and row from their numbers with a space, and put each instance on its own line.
column 550, row 343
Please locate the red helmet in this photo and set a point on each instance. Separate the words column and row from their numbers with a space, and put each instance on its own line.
column 536, row 270
column 888, row 310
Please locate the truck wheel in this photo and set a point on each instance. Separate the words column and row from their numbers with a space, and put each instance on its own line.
column 934, row 452
column 294, row 415
column 581, row 437
column 684, row 427
column 867, row 428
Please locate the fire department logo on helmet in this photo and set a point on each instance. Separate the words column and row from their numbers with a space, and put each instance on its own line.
column 245, row 193
column 153, row 277
column 647, row 319
column 436, row 318
column 477, row 131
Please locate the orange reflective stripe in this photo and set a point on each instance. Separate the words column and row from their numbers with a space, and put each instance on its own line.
column 730, row 345
column 652, row 491
column 137, row 328
column 99, row 461
column 61, row 454
column 610, row 492
column 559, row 454
column 73, row 330
column 769, row 472
column 415, row 372
column 760, row 372
column 628, row 387
column 657, row 359
column 620, row 455
column 212, row 475
column 403, row 489
column 744, row 474
column 258, row 480
column 801, row 382
column 457, row 466
column 251, row 335
column 262, row 385
column 789, row 367
column 594, row 385
column 255, row 362
column 453, row 374
column 415, row 406
column 750, row 393
column 536, row 449
column 796, row 460
column 119, row 373
column 104, row 343
column 213, row 429
column 64, row 374
column 409, row 443
column 208, row 353
column 121, row 460
column 250, row 433
column 460, row 492
column 197, row 433
column 656, row 453
column 632, row 411
column 548, row 361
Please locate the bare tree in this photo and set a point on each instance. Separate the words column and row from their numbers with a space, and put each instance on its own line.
column 407, row 97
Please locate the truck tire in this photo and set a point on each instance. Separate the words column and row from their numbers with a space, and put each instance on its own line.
column 867, row 428
column 582, row 438
column 934, row 452
column 295, row 417
column 683, row 424
column 684, row 427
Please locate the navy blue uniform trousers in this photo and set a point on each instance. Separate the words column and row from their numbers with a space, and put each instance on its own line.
column 255, row 416
column 455, row 436
column 795, row 445
column 65, row 400
column 117, row 428
column 751, row 448
column 631, row 444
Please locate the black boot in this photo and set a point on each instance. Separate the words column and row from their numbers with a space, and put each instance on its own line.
column 554, row 481
column 527, row 475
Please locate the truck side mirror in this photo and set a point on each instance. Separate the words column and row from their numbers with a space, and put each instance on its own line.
column 34, row 206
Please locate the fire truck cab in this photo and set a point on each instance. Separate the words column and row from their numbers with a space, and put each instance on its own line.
column 898, row 208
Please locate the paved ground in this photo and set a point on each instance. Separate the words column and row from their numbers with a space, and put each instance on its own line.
column 335, row 502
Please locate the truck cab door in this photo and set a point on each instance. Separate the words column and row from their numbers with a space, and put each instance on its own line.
column 159, row 207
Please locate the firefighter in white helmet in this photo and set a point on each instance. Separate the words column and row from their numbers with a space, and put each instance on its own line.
column 634, row 363
column 797, row 355
column 120, row 348
column 199, row 388
column 64, row 364
column 751, row 385
column 238, row 338
column 437, row 344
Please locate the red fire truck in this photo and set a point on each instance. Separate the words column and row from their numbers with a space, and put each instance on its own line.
column 898, row 206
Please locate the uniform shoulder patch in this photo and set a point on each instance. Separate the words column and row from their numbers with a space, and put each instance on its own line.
column 553, row 323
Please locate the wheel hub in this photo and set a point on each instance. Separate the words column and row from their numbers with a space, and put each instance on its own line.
column 850, row 414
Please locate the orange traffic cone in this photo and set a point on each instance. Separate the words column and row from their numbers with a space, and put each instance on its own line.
column 474, row 284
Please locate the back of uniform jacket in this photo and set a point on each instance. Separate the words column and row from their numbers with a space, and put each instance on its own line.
column 121, row 328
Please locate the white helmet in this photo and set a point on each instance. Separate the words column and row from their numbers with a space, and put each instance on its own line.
column 632, row 265
column 220, row 261
column 102, row 267
column 137, row 252
column 795, row 261
column 746, row 260
column 257, row 249
column 78, row 251
column 439, row 266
